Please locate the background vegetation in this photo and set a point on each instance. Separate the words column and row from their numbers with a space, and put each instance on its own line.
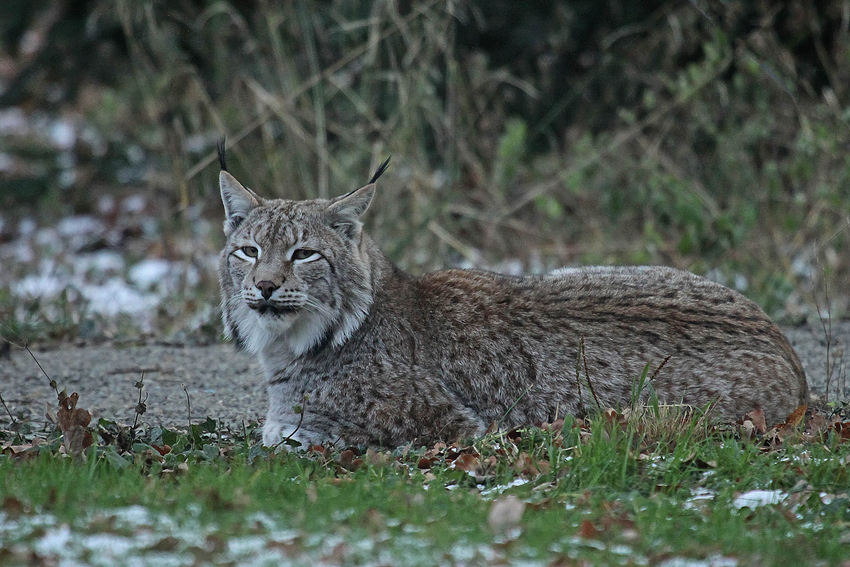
column 706, row 135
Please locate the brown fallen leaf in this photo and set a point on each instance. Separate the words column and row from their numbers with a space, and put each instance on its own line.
column 797, row 416
column 699, row 463
column 15, row 450
column 12, row 506
column 163, row 450
column 73, row 422
column 816, row 425
column 842, row 430
column 375, row 458
column 346, row 458
column 757, row 418
column 505, row 514
column 748, row 429
column 587, row 530
column 467, row 462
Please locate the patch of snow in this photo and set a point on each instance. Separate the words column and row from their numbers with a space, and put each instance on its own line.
column 621, row 549
column 503, row 487
column 197, row 143
column 19, row 250
column 150, row 227
column 150, row 272
column 68, row 177
column 13, row 122
column 711, row 561
column 134, row 204
column 108, row 545
column 80, row 224
column 106, row 204
column 26, row 227
column 48, row 237
column 94, row 140
column 576, row 541
column 101, row 261
column 115, row 296
column 39, row 286
column 62, row 134
column 698, row 494
column 53, row 539
column 511, row 267
column 135, row 154
column 135, row 515
column 439, row 179
column 6, row 162
column 193, row 276
column 755, row 498
column 246, row 544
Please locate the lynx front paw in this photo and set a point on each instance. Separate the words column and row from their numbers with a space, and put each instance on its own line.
column 276, row 431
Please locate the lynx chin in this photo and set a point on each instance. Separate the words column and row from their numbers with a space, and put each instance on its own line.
column 378, row 357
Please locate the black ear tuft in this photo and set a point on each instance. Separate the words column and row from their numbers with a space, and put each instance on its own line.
column 222, row 148
column 380, row 171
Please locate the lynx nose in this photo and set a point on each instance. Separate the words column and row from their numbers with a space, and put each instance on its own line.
column 267, row 288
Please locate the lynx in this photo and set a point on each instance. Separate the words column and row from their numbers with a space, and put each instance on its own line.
column 356, row 351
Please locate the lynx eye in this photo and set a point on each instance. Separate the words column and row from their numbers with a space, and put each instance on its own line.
column 249, row 253
column 304, row 254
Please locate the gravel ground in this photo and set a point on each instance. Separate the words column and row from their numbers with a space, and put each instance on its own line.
column 226, row 385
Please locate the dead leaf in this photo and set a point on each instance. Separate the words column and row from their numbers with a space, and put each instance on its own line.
column 12, row 506
column 748, row 429
column 346, row 458
column 375, row 458
column 526, row 465
column 15, row 450
column 797, row 416
column 554, row 427
column 757, row 417
column 163, row 450
column 816, row 425
column 467, row 462
column 505, row 514
column 587, row 530
column 842, row 430
column 374, row 520
column 312, row 495
column 73, row 423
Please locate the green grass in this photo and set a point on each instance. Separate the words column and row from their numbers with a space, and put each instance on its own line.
column 605, row 491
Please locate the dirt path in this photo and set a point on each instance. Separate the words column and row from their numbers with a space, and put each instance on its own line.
column 226, row 385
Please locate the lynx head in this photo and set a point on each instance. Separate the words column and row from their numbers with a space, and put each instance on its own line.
column 293, row 273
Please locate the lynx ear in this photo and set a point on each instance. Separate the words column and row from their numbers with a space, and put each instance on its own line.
column 345, row 211
column 238, row 201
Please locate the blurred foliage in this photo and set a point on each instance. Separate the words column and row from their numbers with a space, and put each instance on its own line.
column 706, row 135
